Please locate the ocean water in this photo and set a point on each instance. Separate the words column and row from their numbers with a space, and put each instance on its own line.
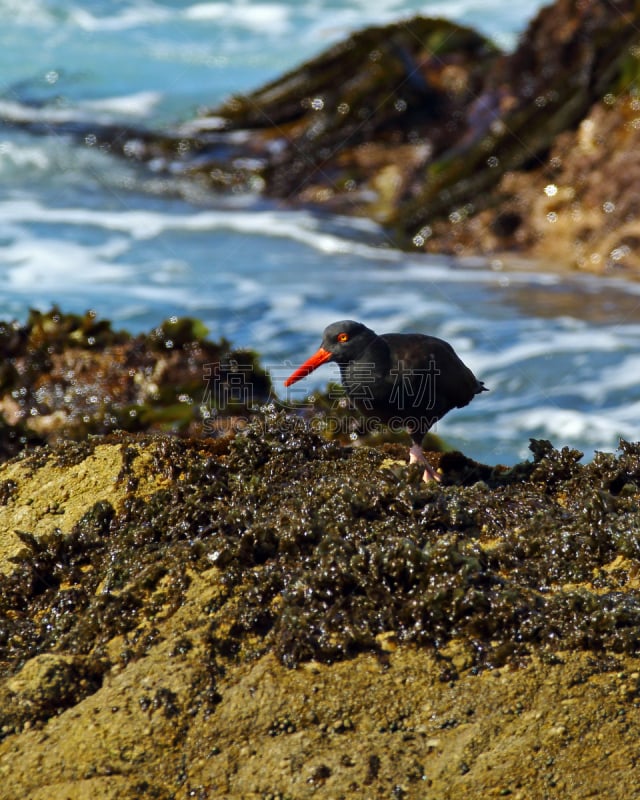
column 560, row 353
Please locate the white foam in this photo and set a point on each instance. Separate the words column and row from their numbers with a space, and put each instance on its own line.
column 567, row 425
column 542, row 345
column 202, row 124
column 22, row 155
column 619, row 377
column 138, row 15
column 298, row 226
column 22, row 114
column 172, row 296
column 403, row 302
column 11, row 111
column 482, row 273
column 316, row 24
column 51, row 265
column 139, row 104
column 506, row 439
column 629, row 413
column 266, row 18
column 34, row 13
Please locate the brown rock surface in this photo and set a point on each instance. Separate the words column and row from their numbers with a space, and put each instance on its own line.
column 142, row 648
column 362, row 728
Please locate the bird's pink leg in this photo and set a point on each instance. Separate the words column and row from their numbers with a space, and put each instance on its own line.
column 416, row 456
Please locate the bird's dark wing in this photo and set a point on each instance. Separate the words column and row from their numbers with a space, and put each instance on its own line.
column 451, row 383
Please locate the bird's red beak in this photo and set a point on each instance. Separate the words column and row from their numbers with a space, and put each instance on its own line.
column 309, row 365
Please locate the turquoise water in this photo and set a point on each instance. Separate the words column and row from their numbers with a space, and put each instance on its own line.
column 560, row 354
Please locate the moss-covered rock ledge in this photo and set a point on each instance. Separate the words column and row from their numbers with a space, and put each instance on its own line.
column 68, row 376
column 270, row 615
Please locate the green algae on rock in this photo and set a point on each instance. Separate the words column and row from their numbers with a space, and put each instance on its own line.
column 65, row 376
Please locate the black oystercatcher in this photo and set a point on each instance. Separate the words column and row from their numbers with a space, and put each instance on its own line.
column 402, row 379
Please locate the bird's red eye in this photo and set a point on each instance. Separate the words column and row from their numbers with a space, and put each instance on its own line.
column 343, row 337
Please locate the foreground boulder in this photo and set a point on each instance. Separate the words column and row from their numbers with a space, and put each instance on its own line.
column 272, row 615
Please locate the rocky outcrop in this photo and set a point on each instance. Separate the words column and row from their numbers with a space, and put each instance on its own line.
column 428, row 128
column 458, row 148
column 67, row 376
column 272, row 615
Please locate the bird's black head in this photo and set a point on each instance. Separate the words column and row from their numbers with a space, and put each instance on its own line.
column 346, row 339
column 342, row 342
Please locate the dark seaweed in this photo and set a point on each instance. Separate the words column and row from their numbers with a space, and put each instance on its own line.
column 324, row 550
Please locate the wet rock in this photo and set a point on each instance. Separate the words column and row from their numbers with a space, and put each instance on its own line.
column 65, row 376
column 366, row 115
column 570, row 58
column 158, row 591
column 46, row 685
